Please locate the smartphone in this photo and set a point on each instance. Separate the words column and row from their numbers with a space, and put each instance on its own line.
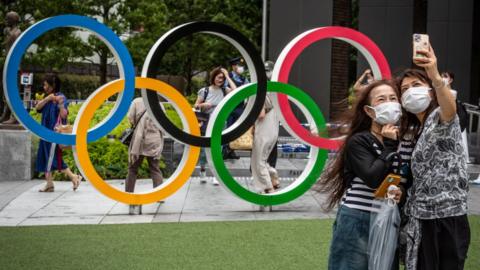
column 391, row 179
column 367, row 79
column 420, row 42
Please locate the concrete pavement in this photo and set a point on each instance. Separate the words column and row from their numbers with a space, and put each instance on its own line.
column 22, row 205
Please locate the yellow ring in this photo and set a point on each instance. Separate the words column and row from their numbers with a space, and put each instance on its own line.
column 82, row 157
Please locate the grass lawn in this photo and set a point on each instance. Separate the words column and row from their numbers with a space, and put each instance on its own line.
column 296, row 244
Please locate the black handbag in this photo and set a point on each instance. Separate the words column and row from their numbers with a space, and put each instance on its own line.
column 127, row 134
column 202, row 118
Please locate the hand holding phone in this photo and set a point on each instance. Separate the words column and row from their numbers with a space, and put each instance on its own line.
column 420, row 43
column 424, row 56
column 391, row 179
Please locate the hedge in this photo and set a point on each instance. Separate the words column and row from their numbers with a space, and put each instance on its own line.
column 73, row 86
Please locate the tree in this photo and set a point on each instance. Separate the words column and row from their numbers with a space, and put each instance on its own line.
column 107, row 12
column 55, row 48
column 199, row 53
column 146, row 21
column 150, row 20
column 140, row 23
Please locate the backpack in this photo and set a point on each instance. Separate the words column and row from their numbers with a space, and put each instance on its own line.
column 207, row 90
column 203, row 117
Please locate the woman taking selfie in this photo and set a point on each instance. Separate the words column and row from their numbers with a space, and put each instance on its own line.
column 360, row 167
column 438, row 232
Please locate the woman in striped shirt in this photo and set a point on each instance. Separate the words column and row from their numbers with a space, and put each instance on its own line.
column 360, row 167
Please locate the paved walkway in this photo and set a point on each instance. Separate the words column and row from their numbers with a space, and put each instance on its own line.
column 22, row 205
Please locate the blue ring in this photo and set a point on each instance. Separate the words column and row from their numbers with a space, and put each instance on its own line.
column 14, row 58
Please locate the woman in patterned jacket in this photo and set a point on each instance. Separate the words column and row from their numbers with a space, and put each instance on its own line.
column 438, row 233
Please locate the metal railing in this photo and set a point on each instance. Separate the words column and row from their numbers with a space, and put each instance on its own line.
column 473, row 131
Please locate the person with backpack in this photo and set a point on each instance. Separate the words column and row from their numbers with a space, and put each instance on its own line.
column 207, row 99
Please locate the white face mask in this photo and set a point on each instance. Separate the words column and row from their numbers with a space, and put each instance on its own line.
column 387, row 113
column 240, row 69
column 416, row 99
column 269, row 75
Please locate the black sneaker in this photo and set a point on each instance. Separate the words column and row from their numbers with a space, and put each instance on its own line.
column 233, row 155
column 226, row 156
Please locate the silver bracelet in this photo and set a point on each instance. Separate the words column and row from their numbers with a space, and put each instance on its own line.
column 439, row 86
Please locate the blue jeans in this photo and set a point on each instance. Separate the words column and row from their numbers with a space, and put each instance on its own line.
column 349, row 247
column 203, row 158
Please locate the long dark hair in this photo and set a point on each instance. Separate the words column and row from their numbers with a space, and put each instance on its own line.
column 410, row 125
column 53, row 80
column 333, row 180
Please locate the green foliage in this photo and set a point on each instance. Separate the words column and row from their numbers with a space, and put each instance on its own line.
column 202, row 52
column 172, row 115
column 109, row 156
column 55, row 48
column 351, row 97
column 192, row 98
column 140, row 23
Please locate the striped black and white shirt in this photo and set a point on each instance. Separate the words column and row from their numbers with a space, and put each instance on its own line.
column 367, row 163
column 405, row 149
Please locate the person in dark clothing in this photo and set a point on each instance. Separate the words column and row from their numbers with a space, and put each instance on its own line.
column 361, row 165
column 239, row 79
column 448, row 76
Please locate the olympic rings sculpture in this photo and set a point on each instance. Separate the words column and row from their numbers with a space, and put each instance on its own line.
column 278, row 89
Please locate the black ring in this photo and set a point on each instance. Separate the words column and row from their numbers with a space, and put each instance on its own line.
column 154, row 59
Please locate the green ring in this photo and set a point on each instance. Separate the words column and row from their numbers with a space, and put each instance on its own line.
column 222, row 113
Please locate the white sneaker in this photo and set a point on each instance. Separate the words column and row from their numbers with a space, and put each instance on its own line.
column 203, row 177
column 215, row 182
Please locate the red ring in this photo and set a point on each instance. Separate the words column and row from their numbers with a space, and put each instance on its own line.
column 373, row 54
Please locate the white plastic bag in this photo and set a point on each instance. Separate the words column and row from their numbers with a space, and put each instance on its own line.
column 382, row 240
